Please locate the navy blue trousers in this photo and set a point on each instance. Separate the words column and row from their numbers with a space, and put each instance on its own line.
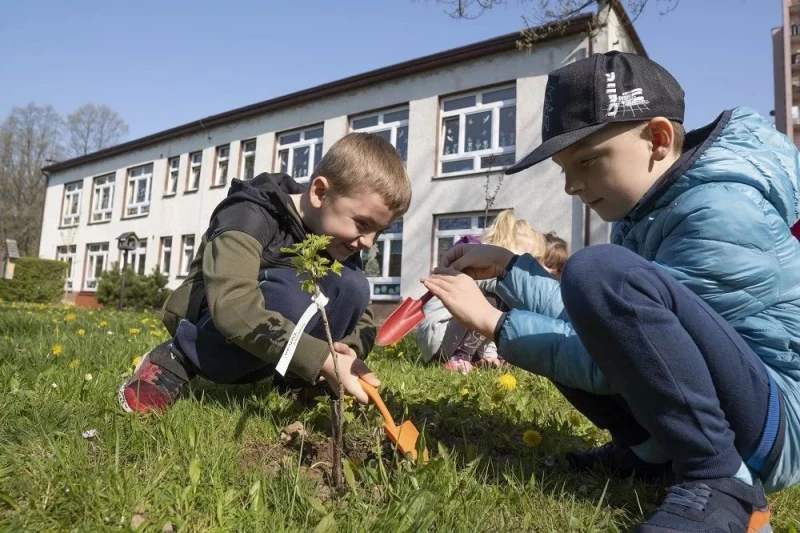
column 683, row 375
column 211, row 355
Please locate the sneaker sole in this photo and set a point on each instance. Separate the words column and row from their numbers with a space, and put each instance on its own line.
column 123, row 402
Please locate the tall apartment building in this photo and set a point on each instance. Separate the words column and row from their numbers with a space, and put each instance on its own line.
column 457, row 117
column 786, row 59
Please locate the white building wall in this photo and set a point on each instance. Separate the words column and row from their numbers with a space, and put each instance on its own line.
column 536, row 194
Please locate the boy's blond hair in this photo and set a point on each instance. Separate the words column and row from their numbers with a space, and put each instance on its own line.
column 557, row 252
column 360, row 162
column 515, row 235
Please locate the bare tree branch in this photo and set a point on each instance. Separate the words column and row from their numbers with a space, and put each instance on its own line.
column 544, row 18
column 91, row 128
column 29, row 137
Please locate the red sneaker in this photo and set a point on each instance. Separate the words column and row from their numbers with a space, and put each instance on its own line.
column 151, row 388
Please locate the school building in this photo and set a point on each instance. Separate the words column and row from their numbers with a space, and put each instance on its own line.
column 457, row 117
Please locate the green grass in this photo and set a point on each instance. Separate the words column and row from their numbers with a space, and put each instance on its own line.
column 216, row 462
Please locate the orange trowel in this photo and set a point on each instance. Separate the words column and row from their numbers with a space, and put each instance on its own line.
column 405, row 436
column 402, row 320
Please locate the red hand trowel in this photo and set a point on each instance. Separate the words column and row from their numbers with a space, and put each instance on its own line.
column 402, row 320
column 405, row 435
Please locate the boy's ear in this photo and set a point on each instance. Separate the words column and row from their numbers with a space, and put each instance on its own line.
column 661, row 134
column 317, row 190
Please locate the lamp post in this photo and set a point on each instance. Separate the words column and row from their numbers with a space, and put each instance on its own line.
column 126, row 242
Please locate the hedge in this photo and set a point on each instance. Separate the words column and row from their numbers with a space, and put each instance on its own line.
column 35, row 280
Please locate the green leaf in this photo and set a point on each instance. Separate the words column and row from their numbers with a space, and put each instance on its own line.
column 349, row 476
column 10, row 501
column 328, row 523
column 316, row 505
column 13, row 384
column 337, row 268
column 255, row 495
column 195, row 467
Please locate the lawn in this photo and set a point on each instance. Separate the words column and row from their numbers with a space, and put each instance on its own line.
column 70, row 459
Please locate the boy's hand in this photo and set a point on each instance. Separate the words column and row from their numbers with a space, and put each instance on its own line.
column 464, row 299
column 479, row 261
column 351, row 368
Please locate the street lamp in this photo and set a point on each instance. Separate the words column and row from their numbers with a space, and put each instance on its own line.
column 126, row 242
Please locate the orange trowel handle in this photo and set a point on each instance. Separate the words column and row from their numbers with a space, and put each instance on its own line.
column 372, row 392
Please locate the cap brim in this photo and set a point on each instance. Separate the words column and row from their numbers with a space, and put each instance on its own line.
column 552, row 146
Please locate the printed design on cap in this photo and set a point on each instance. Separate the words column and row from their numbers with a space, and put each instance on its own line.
column 630, row 101
column 548, row 98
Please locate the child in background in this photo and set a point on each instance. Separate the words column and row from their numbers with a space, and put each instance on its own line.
column 444, row 339
column 556, row 255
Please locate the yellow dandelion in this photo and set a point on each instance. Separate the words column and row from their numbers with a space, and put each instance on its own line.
column 70, row 317
column 57, row 350
column 145, row 320
column 81, row 332
column 464, row 391
column 136, row 360
column 102, row 324
column 532, row 438
column 507, row 382
column 75, row 363
column 133, row 331
column 55, row 321
column 157, row 334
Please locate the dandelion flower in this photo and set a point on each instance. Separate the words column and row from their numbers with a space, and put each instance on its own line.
column 136, row 360
column 75, row 363
column 145, row 320
column 102, row 324
column 532, row 438
column 81, row 332
column 55, row 321
column 507, row 382
column 133, row 331
column 88, row 377
column 70, row 317
column 464, row 391
column 57, row 350
column 157, row 334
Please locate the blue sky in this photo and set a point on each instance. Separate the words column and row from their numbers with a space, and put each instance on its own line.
column 162, row 64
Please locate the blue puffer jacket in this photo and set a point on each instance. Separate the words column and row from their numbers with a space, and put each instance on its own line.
column 719, row 224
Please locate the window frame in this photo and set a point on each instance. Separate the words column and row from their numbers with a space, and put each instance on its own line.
column 97, row 190
column 494, row 150
column 302, row 142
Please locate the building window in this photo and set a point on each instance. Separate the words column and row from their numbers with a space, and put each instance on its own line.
column 450, row 228
column 165, row 256
column 187, row 254
column 139, row 257
column 173, row 171
column 221, row 170
column 382, row 264
column 72, row 204
column 97, row 264
column 391, row 125
column 478, row 131
column 195, row 164
column 66, row 254
column 299, row 152
column 103, row 198
column 248, row 163
column 139, row 180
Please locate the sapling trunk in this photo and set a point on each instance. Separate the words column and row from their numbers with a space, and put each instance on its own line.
column 337, row 414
